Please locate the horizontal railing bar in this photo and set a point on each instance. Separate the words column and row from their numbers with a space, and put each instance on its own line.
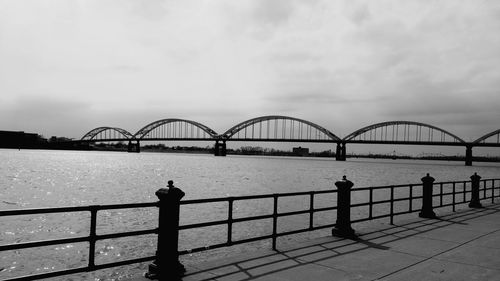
column 37, row 211
column 306, row 193
column 215, row 246
column 244, row 219
column 383, row 187
column 252, row 239
column 43, row 243
column 323, row 209
column 204, row 200
column 202, row 224
column 80, row 239
column 49, row 274
column 383, row 201
column 204, row 248
column 126, row 234
column 250, row 197
column 293, row 213
column 451, row 193
column 260, row 217
column 128, row 206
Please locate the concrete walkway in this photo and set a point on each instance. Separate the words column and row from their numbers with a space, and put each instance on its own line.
column 464, row 245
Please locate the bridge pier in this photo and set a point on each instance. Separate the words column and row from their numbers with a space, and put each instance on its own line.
column 134, row 147
column 340, row 154
column 223, row 150
column 220, row 148
column 468, row 155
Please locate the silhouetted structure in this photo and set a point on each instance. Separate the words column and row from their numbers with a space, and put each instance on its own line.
column 12, row 139
column 275, row 128
column 300, row 151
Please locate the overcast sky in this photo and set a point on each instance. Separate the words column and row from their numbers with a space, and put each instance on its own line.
column 67, row 67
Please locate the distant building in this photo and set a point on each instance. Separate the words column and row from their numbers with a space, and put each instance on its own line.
column 301, row 151
column 12, row 139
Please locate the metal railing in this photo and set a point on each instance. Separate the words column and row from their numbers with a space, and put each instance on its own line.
column 92, row 238
column 449, row 194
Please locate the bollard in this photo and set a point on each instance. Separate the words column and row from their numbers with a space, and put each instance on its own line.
column 167, row 265
column 343, row 224
column 427, row 211
column 474, row 200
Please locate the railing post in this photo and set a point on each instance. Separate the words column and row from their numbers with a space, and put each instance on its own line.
column 427, row 211
column 343, row 224
column 474, row 200
column 92, row 235
column 167, row 265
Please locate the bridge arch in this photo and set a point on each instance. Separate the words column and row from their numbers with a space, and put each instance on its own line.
column 489, row 135
column 276, row 127
column 409, row 132
column 108, row 133
column 174, row 128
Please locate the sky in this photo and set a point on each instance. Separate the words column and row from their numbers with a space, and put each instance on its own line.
column 67, row 67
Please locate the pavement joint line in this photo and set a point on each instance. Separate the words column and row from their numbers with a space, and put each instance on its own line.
column 464, row 263
column 429, row 258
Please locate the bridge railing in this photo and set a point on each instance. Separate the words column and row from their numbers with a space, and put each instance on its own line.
column 378, row 202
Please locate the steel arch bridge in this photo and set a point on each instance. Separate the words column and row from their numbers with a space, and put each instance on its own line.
column 403, row 132
column 175, row 129
column 276, row 128
column 102, row 134
column 491, row 140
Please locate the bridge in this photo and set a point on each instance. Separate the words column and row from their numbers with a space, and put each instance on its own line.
column 275, row 128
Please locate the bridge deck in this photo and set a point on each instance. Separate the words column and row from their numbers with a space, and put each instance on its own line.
column 464, row 245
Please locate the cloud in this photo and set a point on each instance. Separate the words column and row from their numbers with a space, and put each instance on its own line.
column 46, row 115
column 273, row 12
column 360, row 14
column 342, row 64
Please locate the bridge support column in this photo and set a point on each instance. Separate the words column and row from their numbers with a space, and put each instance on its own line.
column 223, row 150
column 468, row 156
column 134, row 147
column 217, row 148
column 340, row 154
column 220, row 148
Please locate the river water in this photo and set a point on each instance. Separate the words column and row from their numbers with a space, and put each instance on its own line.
column 39, row 178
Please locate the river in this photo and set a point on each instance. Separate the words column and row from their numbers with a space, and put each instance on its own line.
column 43, row 178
